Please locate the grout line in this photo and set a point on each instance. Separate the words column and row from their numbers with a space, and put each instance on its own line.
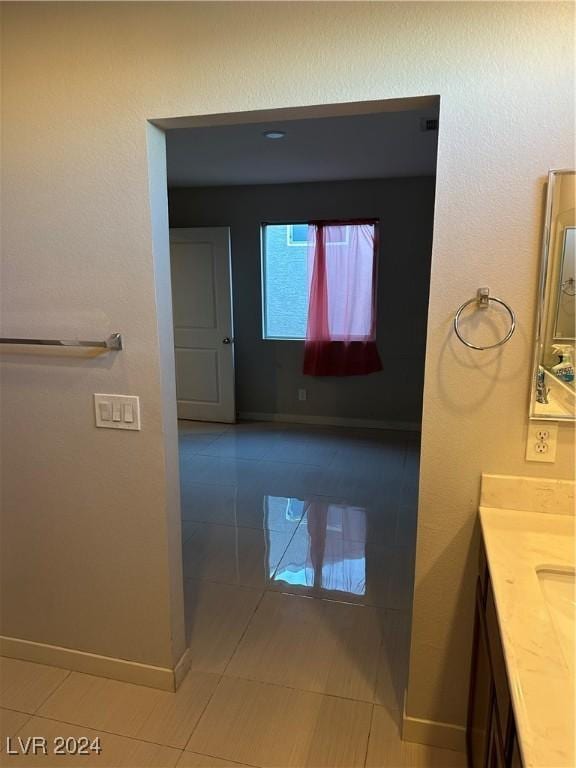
column 226, row 759
column 198, row 721
column 4, row 708
column 109, row 733
column 378, row 675
column 49, row 696
column 322, row 599
column 207, row 443
column 233, row 584
column 18, row 730
column 228, row 676
column 369, row 735
column 224, row 584
column 327, row 598
column 233, row 525
column 245, row 630
column 186, row 539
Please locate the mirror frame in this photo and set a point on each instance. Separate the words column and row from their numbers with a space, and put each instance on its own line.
column 543, row 299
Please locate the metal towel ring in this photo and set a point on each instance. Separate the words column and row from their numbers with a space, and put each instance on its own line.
column 483, row 300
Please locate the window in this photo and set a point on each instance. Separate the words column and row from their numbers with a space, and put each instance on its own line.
column 284, row 281
column 287, row 264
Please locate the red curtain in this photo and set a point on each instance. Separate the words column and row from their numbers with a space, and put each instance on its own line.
column 341, row 332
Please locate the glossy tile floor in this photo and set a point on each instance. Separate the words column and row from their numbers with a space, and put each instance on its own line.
column 298, row 547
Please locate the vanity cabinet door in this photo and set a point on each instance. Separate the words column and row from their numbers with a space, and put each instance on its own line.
column 496, row 756
column 491, row 736
column 498, row 665
column 480, row 707
column 515, row 758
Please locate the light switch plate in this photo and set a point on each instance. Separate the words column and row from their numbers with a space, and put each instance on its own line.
column 542, row 440
column 117, row 411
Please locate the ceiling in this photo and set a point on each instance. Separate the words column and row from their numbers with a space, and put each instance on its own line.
column 380, row 145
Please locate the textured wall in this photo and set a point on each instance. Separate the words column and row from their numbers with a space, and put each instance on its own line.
column 269, row 373
column 79, row 82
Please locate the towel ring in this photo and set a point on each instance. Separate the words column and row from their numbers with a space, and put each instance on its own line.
column 483, row 300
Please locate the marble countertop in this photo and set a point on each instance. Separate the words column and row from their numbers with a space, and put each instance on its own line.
column 518, row 544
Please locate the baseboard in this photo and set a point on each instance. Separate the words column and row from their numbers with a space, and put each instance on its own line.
column 433, row 732
column 91, row 663
column 330, row 421
column 181, row 668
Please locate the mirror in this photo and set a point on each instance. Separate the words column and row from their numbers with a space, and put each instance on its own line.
column 564, row 328
column 553, row 385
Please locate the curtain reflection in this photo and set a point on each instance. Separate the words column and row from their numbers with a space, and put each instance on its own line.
column 328, row 551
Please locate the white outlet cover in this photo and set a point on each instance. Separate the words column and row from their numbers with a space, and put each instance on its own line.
column 542, row 441
column 117, row 411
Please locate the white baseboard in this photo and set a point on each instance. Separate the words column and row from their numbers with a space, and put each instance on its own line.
column 330, row 421
column 91, row 663
column 433, row 732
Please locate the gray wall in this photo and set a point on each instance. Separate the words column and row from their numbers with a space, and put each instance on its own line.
column 269, row 373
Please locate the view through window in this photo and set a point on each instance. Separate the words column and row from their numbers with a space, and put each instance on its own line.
column 285, row 280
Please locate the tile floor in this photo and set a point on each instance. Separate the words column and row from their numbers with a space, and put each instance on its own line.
column 298, row 546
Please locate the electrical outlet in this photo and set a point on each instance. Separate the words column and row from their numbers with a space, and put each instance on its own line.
column 541, row 443
column 302, row 394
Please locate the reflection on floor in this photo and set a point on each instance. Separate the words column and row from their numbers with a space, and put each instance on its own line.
column 298, row 548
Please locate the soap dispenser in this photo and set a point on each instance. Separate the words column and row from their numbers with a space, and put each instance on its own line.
column 563, row 370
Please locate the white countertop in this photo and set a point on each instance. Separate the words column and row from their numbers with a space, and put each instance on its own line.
column 518, row 544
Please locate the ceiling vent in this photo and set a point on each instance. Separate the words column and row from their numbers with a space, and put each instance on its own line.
column 429, row 124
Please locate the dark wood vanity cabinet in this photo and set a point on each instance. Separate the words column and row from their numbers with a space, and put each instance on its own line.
column 491, row 732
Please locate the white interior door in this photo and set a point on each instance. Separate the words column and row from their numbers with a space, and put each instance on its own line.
column 203, row 332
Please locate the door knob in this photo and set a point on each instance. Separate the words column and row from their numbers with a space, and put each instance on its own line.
column 227, row 340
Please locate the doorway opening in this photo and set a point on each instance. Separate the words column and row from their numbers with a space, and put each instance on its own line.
column 301, row 482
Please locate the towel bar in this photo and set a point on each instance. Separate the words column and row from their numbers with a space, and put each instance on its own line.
column 113, row 342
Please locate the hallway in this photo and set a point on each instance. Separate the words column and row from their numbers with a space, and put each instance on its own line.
column 298, row 548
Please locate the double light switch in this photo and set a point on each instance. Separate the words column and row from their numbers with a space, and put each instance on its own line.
column 117, row 411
